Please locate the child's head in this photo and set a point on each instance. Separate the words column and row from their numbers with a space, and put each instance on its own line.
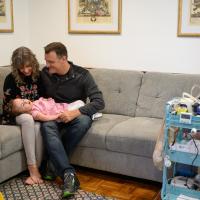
column 20, row 106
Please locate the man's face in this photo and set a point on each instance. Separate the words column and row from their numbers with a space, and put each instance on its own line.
column 54, row 62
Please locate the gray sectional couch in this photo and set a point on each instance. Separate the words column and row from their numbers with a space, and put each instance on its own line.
column 122, row 141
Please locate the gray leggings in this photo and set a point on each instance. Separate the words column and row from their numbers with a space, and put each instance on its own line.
column 31, row 138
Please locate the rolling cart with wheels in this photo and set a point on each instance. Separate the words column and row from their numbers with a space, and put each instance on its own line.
column 180, row 150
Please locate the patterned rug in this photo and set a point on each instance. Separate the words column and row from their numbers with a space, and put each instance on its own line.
column 15, row 189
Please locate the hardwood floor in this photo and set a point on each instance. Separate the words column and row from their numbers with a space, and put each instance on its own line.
column 117, row 186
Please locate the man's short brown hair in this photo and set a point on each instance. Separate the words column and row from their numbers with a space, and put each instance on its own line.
column 57, row 47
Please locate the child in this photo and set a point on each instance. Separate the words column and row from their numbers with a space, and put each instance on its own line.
column 158, row 150
column 43, row 109
column 172, row 135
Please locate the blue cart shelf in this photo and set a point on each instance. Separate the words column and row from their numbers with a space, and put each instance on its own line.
column 169, row 191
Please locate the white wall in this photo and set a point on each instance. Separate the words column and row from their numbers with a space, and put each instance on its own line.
column 148, row 40
column 20, row 37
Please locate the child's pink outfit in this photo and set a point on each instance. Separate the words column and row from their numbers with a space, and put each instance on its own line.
column 50, row 107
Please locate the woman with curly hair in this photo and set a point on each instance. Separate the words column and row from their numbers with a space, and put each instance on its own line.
column 24, row 82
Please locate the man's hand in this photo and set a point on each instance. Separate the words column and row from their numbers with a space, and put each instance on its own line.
column 68, row 116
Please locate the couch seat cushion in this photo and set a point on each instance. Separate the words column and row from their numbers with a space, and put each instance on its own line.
column 10, row 140
column 135, row 136
column 96, row 135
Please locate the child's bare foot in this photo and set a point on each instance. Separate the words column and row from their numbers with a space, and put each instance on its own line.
column 29, row 181
column 35, row 176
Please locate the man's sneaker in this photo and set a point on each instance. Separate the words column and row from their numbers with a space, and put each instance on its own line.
column 71, row 184
column 48, row 177
column 49, row 173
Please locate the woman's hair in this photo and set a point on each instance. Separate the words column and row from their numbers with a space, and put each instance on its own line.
column 22, row 57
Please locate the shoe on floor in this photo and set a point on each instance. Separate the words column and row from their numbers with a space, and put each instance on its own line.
column 71, row 184
column 49, row 173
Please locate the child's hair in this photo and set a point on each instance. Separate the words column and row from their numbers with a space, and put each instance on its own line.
column 14, row 109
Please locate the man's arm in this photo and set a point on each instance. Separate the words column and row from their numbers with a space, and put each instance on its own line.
column 94, row 94
column 68, row 116
column 96, row 100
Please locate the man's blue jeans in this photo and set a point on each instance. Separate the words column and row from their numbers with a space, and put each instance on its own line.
column 60, row 139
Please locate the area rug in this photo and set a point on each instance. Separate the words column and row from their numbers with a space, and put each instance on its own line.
column 15, row 189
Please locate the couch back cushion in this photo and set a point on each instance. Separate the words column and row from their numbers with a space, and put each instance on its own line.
column 157, row 88
column 120, row 89
column 4, row 70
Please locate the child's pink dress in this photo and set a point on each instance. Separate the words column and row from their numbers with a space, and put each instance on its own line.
column 50, row 107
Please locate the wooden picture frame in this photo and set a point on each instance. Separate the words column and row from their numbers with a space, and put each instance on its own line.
column 94, row 16
column 6, row 16
column 188, row 18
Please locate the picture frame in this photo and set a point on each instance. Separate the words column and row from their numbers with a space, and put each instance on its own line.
column 188, row 18
column 94, row 16
column 6, row 16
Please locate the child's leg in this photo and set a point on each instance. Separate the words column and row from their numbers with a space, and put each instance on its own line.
column 75, row 105
column 157, row 154
column 28, row 137
column 38, row 144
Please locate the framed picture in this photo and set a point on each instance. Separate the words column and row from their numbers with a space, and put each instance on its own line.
column 94, row 16
column 189, row 18
column 6, row 16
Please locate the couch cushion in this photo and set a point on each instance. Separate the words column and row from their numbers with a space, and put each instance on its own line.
column 135, row 136
column 1, row 108
column 96, row 136
column 10, row 140
column 4, row 70
column 157, row 88
column 120, row 89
